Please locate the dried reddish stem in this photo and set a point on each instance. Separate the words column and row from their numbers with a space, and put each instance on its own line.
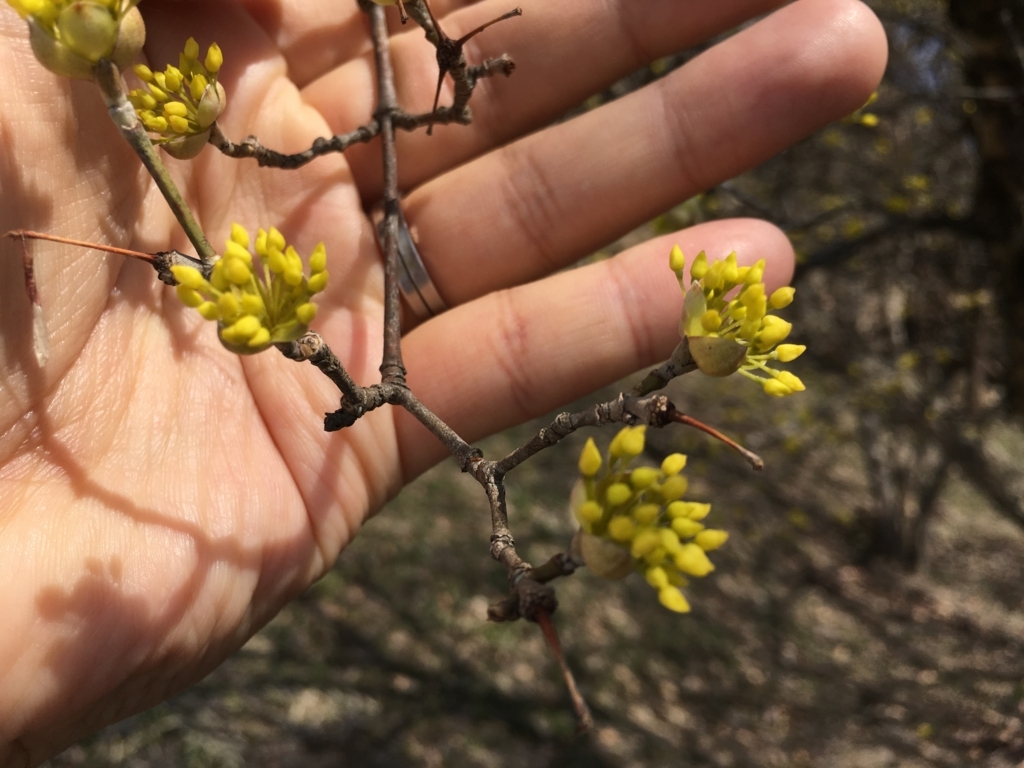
column 755, row 461
column 584, row 720
column 24, row 234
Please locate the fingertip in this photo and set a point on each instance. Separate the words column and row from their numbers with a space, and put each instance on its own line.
column 846, row 51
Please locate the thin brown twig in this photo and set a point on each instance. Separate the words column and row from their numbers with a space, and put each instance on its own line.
column 584, row 720
column 29, row 234
column 450, row 58
column 755, row 461
column 391, row 368
column 269, row 158
column 162, row 261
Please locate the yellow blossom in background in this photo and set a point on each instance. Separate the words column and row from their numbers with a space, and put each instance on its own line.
column 256, row 304
column 181, row 103
column 728, row 322
column 635, row 519
column 69, row 37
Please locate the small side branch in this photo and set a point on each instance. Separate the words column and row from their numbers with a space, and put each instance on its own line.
column 312, row 348
column 269, row 158
column 654, row 411
column 161, row 261
column 752, row 458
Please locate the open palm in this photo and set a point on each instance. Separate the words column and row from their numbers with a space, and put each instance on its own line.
column 161, row 498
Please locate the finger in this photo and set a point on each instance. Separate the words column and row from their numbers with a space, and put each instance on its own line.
column 564, row 52
column 516, row 354
column 315, row 36
column 542, row 203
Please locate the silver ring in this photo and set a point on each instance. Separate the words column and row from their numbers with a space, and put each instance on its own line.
column 413, row 280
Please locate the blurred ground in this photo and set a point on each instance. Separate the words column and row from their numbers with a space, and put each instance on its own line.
column 793, row 656
column 812, row 644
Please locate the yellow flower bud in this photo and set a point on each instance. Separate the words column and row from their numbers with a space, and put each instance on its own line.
column 656, row 577
column 645, row 514
column 229, row 306
column 178, row 124
column 755, row 274
column 259, row 339
column 276, row 240
column 306, row 312
column 791, row 381
column 209, row 310
column 590, row 459
column 669, row 540
column 237, row 271
column 241, row 330
column 214, row 59
column 675, row 578
column 673, row 464
column 198, row 87
column 618, row 494
column 633, row 440
column 782, row 297
column 645, row 542
column 711, row 321
column 673, row 487
column 750, row 328
column 641, row 477
column 621, row 528
column 156, row 124
column 689, row 509
column 189, row 276
column 233, row 250
column 699, row 267
column 589, row 512
column 673, row 599
column 144, row 73
column 676, row 260
column 751, row 294
column 172, row 78
column 711, row 539
column 686, row 528
column 656, row 556
column 714, row 277
column 191, row 49
column 189, row 296
column 776, row 388
column 276, row 261
column 730, row 272
column 318, row 259
column 773, row 330
column 787, row 353
column 175, row 109
column 318, row 282
column 691, row 560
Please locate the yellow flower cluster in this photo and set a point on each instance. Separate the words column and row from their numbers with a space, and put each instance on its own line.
column 728, row 323
column 636, row 519
column 181, row 103
column 256, row 307
column 70, row 36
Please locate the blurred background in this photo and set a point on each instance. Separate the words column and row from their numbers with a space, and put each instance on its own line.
column 865, row 611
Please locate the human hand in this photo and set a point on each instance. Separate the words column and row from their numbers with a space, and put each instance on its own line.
column 161, row 498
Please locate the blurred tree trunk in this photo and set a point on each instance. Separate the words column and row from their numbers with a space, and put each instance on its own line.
column 994, row 31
